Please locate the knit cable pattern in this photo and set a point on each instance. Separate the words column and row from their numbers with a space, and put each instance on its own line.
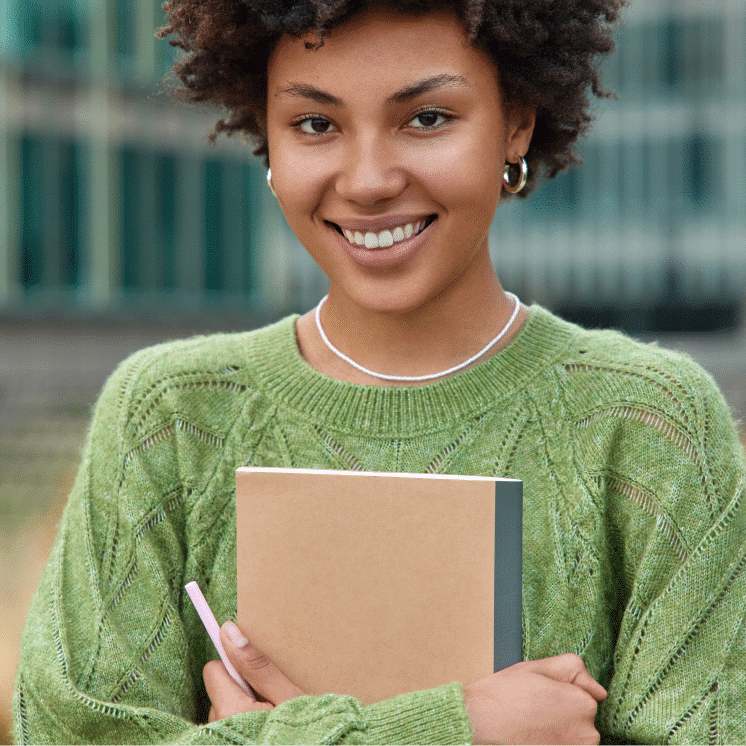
column 634, row 533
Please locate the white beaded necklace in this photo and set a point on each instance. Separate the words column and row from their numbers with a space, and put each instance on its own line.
column 430, row 376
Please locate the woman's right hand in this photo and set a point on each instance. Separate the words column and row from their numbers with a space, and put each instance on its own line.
column 552, row 700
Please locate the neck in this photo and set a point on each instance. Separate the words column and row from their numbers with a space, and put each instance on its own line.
column 429, row 339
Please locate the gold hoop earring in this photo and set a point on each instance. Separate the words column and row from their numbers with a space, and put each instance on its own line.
column 269, row 182
column 514, row 189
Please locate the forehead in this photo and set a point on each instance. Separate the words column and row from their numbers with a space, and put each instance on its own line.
column 379, row 48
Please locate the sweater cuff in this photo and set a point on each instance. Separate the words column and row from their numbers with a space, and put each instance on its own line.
column 426, row 717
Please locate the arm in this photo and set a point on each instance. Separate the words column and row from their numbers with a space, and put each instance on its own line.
column 679, row 674
column 552, row 700
column 112, row 652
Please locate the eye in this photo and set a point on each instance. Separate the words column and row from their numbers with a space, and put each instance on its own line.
column 430, row 119
column 314, row 125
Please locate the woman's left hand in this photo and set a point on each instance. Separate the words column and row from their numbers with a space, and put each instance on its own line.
column 272, row 687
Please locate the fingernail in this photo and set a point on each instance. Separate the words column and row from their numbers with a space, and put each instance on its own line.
column 234, row 633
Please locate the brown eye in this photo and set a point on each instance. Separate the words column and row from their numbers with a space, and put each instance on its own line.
column 429, row 120
column 314, row 126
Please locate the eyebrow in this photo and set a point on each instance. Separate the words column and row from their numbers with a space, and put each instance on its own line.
column 425, row 86
column 303, row 90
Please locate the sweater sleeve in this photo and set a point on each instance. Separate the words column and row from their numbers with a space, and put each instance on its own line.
column 108, row 653
column 680, row 660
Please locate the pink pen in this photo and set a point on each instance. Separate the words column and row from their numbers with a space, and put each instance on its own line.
column 213, row 629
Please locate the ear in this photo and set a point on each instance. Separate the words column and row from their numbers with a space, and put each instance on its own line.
column 521, row 121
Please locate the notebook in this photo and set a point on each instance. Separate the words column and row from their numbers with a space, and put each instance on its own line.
column 375, row 584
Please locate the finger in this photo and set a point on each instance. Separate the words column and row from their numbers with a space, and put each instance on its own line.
column 585, row 681
column 578, row 674
column 256, row 668
column 570, row 668
column 226, row 697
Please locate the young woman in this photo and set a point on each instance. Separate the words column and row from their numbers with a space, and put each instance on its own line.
column 392, row 133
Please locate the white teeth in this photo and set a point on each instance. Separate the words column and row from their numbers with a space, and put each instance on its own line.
column 385, row 238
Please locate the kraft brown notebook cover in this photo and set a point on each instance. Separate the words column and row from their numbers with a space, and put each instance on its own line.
column 375, row 584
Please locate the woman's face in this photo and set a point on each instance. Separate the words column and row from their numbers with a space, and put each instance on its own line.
column 387, row 147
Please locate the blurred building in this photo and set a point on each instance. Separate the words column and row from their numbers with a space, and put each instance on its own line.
column 112, row 200
column 650, row 233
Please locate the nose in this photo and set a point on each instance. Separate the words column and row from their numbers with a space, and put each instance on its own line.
column 370, row 171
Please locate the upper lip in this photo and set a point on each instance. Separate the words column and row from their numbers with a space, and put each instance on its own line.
column 376, row 225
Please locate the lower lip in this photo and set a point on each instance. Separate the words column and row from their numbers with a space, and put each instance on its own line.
column 390, row 256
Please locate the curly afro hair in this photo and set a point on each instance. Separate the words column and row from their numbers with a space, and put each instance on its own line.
column 546, row 52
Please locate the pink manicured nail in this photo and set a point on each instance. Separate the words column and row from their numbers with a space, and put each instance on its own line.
column 234, row 633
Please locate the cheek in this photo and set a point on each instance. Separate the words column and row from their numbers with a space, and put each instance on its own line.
column 472, row 185
column 299, row 183
column 464, row 170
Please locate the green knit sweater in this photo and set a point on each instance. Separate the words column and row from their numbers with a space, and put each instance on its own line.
column 634, row 533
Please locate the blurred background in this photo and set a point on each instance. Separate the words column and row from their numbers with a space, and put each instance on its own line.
column 120, row 226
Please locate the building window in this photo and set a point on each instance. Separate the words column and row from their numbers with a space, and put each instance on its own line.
column 148, row 210
column 32, row 211
column 50, row 219
column 214, row 270
column 702, row 164
column 51, row 25
column 692, row 54
column 679, row 56
column 559, row 197
column 125, row 29
column 230, row 199
column 166, row 198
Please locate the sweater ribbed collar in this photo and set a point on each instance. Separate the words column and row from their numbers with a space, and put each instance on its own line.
column 395, row 411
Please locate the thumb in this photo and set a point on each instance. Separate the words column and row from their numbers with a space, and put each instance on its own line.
column 256, row 668
column 585, row 681
column 570, row 669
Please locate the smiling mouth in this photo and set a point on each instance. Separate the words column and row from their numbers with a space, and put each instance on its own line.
column 385, row 238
